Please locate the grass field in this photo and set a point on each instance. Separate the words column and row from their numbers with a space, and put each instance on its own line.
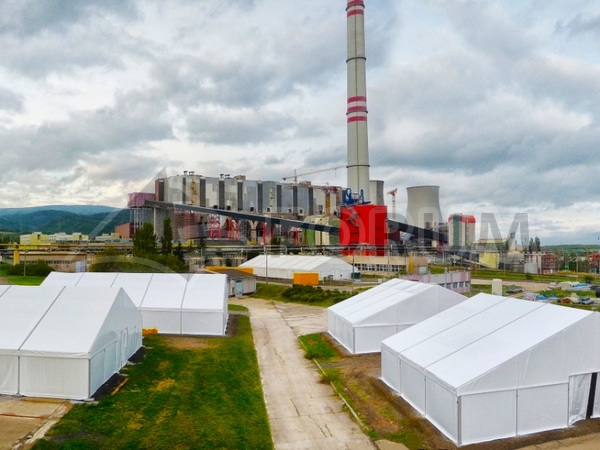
column 186, row 393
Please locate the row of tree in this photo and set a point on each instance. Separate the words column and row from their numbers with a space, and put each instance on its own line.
column 146, row 254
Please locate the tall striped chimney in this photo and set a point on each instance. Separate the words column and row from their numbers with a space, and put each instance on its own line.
column 358, row 147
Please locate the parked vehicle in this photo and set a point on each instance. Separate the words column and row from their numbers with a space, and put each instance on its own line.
column 513, row 289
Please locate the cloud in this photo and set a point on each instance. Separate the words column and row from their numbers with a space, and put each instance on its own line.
column 25, row 18
column 10, row 101
column 496, row 102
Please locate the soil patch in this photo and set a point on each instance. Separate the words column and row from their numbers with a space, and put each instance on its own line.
column 188, row 342
column 390, row 417
column 183, row 342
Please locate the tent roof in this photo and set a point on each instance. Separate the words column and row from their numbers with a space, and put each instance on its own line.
column 359, row 308
column 304, row 263
column 60, row 320
column 507, row 341
column 73, row 322
column 164, row 291
column 461, row 351
column 204, row 291
column 135, row 284
column 21, row 309
column 440, row 322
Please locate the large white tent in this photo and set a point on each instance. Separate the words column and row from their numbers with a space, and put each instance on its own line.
column 494, row 367
column 284, row 266
column 361, row 322
column 64, row 342
column 172, row 303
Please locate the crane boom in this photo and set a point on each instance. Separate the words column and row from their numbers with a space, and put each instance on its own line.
column 295, row 176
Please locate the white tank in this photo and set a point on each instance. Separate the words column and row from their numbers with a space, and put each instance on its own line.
column 423, row 206
column 496, row 286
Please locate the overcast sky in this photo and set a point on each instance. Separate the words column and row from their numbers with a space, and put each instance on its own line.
column 497, row 102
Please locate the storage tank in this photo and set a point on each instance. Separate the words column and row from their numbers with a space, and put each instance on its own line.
column 423, row 206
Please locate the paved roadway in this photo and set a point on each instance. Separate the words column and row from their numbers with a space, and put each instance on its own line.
column 304, row 413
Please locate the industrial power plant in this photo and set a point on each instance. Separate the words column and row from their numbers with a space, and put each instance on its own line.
column 352, row 217
column 478, row 369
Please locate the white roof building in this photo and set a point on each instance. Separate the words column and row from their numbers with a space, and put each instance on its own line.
column 494, row 367
column 173, row 303
column 64, row 342
column 284, row 266
column 361, row 322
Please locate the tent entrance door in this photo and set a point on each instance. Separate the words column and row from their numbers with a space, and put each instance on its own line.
column 584, row 397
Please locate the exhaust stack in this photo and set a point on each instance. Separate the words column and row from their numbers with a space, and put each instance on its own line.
column 358, row 149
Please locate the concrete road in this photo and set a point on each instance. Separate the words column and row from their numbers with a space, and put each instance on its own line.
column 24, row 420
column 304, row 413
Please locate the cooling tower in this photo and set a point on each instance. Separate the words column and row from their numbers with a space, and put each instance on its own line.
column 423, row 206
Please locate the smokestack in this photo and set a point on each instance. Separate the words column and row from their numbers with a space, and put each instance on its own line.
column 358, row 149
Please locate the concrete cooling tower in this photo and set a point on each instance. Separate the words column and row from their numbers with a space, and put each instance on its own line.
column 423, row 206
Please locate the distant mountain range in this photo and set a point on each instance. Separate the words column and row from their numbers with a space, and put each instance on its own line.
column 87, row 219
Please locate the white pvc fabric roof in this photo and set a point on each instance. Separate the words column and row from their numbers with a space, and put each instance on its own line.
column 284, row 266
column 172, row 303
column 64, row 342
column 361, row 322
column 529, row 363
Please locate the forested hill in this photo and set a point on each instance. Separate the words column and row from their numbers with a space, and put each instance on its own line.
column 62, row 218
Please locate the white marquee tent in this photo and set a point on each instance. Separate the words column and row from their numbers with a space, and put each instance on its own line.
column 495, row 367
column 361, row 322
column 64, row 342
column 172, row 303
column 284, row 266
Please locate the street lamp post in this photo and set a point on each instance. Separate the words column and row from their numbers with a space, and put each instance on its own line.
column 266, row 265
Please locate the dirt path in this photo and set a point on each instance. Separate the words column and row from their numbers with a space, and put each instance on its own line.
column 304, row 412
column 274, row 323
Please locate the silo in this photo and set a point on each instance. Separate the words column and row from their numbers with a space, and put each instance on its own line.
column 423, row 206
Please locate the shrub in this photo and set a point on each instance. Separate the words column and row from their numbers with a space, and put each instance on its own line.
column 39, row 269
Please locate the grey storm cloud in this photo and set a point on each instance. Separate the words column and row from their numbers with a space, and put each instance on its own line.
column 237, row 127
column 24, row 18
column 581, row 23
column 132, row 122
column 495, row 101
column 10, row 101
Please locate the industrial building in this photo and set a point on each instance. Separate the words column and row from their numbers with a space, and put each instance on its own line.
column 62, row 261
column 423, row 206
column 461, row 230
column 298, row 201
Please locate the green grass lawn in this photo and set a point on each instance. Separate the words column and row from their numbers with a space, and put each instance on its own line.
column 18, row 279
column 204, row 395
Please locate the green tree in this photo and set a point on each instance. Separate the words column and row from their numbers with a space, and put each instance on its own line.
column 39, row 269
column 110, row 260
column 178, row 251
column 166, row 240
column 144, row 242
column 538, row 244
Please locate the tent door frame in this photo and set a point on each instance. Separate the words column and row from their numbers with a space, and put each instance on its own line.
column 590, row 405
